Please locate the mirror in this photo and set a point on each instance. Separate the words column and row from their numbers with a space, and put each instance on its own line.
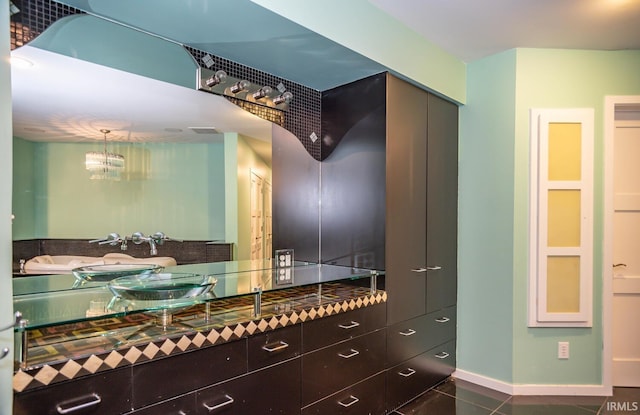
column 195, row 164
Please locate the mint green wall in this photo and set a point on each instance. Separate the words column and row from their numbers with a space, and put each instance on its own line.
column 106, row 43
column 493, row 262
column 174, row 188
column 485, row 286
column 24, row 183
column 6, row 305
column 362, row 27
column 562, row 79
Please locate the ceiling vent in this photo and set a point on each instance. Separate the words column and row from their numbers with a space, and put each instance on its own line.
column 204, row 130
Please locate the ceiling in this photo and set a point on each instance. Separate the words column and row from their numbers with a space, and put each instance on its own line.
column 472, row 29
column 249, row 34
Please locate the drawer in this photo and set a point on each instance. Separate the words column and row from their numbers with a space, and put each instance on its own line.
column 275, row 390
column 182, row 405
column 162, row 379
column 104, row 393
column 411, row 378
column 274, row 346
column 331, row 369
column 364, row 398
column 413, row 337
column 343, row 326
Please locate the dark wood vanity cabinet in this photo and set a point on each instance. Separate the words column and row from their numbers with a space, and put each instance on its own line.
column 103, row 393
column 394, row 161
column 421, row 239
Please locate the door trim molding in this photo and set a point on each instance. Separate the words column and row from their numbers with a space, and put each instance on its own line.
column 610, row 103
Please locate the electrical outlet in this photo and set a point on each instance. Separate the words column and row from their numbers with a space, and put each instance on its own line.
column 563, row 350
column 284, row 258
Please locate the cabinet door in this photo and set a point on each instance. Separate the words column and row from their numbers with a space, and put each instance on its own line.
column 364, row 398
column 275, row 390
column 326, row 371
column 103, row 393
column 442, row 203
column 405, row 259
column 166, row 378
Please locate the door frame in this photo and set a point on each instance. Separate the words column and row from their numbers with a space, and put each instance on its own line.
column 610, row 103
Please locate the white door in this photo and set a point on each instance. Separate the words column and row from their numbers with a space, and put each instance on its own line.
column 268, row 220
column 257, row 217
column 626, row 254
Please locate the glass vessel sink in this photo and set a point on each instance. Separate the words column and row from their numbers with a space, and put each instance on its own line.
column 101, row 273
column 162, row 286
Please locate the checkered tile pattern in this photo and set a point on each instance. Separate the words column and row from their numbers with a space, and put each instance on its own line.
column 54, row 372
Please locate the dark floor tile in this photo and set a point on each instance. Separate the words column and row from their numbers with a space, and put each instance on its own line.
column 437, row 403
column 472, row 393
column 551, row 405
column 624, row 401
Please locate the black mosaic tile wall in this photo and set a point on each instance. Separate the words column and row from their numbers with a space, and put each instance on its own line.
column 34, row 17
column 304, row 113
column 302, row 118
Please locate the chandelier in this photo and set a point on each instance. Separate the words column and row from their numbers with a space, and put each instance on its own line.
column 104, row 165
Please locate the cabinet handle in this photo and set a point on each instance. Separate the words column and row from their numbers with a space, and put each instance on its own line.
column 350, row 355
column 408, row 373
column 64, row 409
column 442, row 319
column 419, row 270
column 229, row 401
column 4, row 353
column 442, row 355
column 352, row 325
column 409, row 332
column 353, row 400
column 434, row 268
column 271, row 348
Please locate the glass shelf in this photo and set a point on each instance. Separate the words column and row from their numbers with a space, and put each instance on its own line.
column 53, row 300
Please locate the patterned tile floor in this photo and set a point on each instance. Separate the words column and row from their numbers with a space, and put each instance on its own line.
column 457, row 397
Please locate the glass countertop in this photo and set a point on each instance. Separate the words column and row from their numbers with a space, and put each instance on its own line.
column 58, row 299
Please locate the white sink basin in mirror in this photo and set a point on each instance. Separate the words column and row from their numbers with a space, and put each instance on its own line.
column 64, row 264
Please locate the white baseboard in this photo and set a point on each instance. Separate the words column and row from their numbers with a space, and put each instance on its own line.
column 532, row 389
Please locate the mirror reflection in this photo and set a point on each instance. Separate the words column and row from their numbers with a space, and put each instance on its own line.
column 196, row 167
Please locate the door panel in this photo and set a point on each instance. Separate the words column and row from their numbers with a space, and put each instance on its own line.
column 406, row 200
column 626, row 261
column 442, row 204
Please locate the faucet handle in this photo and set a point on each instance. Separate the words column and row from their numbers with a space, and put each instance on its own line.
column 111, row 239
column 138, row 238
column 161, row 238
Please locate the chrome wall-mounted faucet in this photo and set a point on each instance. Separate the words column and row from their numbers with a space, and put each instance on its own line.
column 154, row 240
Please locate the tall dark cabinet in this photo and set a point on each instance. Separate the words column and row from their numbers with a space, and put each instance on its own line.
column 389, row 189
column 421, row 239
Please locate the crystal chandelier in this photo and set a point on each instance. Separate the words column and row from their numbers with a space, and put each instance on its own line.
column 104, row 165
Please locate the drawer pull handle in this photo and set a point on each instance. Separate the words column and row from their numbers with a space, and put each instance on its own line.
column 351, row 325
column 419, row 270
column 434, row 268
column 409, row 332
column 4, row 353
column 442, row 355
column 350, row 355
column 408, row 373
column 64, row 409
column 353, row 400
column 271, row 348
column 229, row 401
column 442, row 319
